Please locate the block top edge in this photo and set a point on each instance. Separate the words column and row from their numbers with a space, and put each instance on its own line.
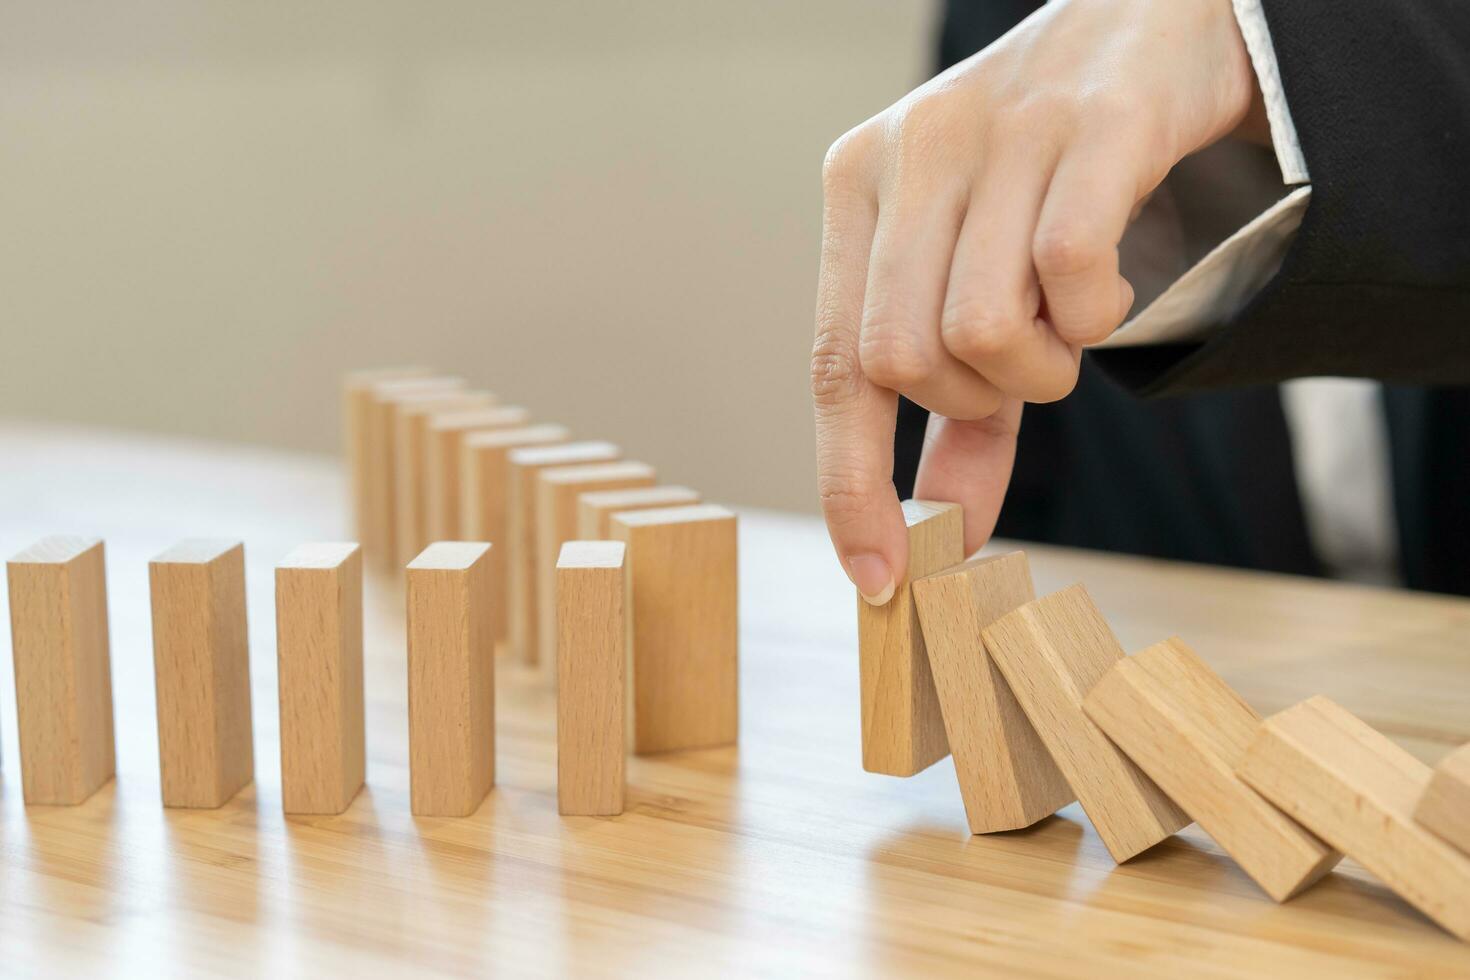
column 450, row 555
column 196, row 551
column 57, row 549
column 518, row 437
column 495, row 415
column 673, row 515
column 586, row 472
column 591, row 554
column 567, row 452
column 319, row 554
column 915, row 511
column 670, row 494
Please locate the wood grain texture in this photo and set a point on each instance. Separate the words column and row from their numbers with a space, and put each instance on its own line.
column 1445, row 806
column 63, row 673
column 380, row 543
column 201, row 671
column 357, row 406
column 319, row 622
column 522, row 467
column 682, row 627
column 451, row 678
column 1007, row 777
column 411, row 462
column 447, row 433
column 595, row 509
column 591, row 707
column 1052, row 651
column 558, row 489
column 1187, row 730
column 903, row 726
column 1357, row 790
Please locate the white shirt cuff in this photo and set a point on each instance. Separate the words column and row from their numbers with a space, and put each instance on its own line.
column 1252, row 21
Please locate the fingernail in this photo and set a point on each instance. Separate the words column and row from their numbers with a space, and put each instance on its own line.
column 873, row 579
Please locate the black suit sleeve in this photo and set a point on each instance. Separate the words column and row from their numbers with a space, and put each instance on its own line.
column 1377, row 281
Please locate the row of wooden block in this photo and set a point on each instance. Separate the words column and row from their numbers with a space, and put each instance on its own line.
column 1040, row 707
column 648, row 659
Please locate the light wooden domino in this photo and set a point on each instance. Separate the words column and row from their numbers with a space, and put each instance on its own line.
column 595, row 510
column 591, row 713
column 446, row 446
column 411, row 462
column 451, row 678
column 903, row 727
column 357, row 408
column 63, row 676
column 319, row 671
column 1051, row 652
column 1184, row 727
column 201, row 672
column 1357, row 790
column 683, row 631
column 1445, row 806
column 1006, row 775
column 379, row 544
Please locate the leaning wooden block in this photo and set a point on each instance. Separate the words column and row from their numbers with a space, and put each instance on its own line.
column 1006, row 775
column 591, row 678
column 522, row 467
column 682, row 626
column 1184, row 727
column 357, row 407
column 411, row 462
column 595, row 510
column 319, row 668
column 63, row 678
column 903, row 727
column 1445, row 806
column 557, row 491
column 446, row 447
column 201, row 672
column 1357, row 790
column 1052, row 651
column 379, row 544
column 451, row 678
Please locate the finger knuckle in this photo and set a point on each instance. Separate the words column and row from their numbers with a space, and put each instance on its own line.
column 1066, row 248
column 974, row 330
column 834, row 370
column 893, row 355
column 845, row 160
column 844, row 500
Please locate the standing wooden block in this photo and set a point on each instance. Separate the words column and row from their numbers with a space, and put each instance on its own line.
column 682, row 626
column 201, row 672
column 63, row 678
column 903, row 727
column 556, row 523
column 1184, row 727
column 451, row 678
column 446, row 447
column 1052, row 651
column 319, row 666
column 411, row 462
column 591, row 714
column 357, row 406
column 522, row 467
column 1006, row 775
column 595, row 510
column 1357, row 791
column 379, row 544
column 1445, row 806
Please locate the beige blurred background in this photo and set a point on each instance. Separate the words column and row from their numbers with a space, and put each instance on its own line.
column 607, row 212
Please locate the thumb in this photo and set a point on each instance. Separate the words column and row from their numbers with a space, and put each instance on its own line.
column 969, row 463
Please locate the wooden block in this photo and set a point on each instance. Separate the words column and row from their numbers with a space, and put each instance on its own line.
column 485, row 505
column 1187, row 730
column 1006, row 775
column 591, row 714
column 357, row 406
column 1052, row 651
column 411, row 462
column 1445, row 806
column 379, row 544
column 319, row 667
column 201, row 672
column 446, row 447
column 63, row 677
column 683, row 632
column 558, row 488
column 1357, row 791
column 903, row 727
column 451, row 678
column 522, row 467
column 595, row 510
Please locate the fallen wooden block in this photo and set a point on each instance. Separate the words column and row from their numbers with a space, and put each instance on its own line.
column 1357, row 790
column 682, row 626
column 1185, row 728
column 319, row 668
column 595, row 510
column 451, row 678
column 357, row 407
column 558, row 489
column 380, row 544
column 411, row 462
column 1445, row 806
column 591, row 713
column 63, row 677
column 201, row 672
column 1052, row 651
column 446, row 448
column 522, row 467
column 1006, row 775
column 903, row 726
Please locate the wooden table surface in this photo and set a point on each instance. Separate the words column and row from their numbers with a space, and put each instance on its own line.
column 777, row 857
